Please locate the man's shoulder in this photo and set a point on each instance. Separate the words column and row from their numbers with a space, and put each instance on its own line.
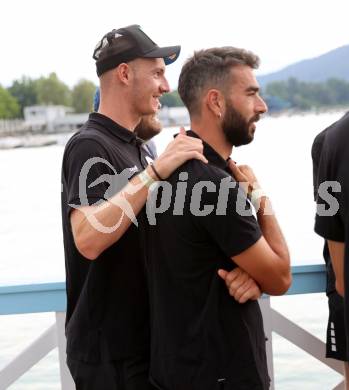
column 88, row 131
column 335, row 145
column 343, row 121
column 199, row 171
column 337, row 126
column 87, row 137
column 338, row 131
column 205, row 178
column 319, row 139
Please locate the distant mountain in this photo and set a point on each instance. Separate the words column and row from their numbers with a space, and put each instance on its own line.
column 334, row 64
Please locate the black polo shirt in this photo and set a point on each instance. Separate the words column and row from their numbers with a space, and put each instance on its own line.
column 201, row 338
column 107, row 298
column 334, row 166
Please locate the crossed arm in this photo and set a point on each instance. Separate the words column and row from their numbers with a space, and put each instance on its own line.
column 337, row 257
column 268, row 260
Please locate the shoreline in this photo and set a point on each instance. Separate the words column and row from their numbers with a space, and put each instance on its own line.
column 33, row 140
column 43, row 138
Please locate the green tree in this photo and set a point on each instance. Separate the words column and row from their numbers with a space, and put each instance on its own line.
column 9, row 107
column 82, row 96
column 340, row 89
column 51, row 90
column 25, row 91
column 171, row 99
column 306, row 95
column 278, row 89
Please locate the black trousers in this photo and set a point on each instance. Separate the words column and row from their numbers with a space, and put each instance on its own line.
column 128, row 374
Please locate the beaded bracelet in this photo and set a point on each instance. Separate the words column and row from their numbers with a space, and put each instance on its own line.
column 156, row 172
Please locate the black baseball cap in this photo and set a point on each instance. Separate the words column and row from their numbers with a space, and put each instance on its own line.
column 126, row 44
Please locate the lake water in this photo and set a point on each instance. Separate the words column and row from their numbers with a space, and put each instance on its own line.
column 32, row 251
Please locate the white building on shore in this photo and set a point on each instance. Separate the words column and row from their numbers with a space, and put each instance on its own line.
column 61, row 119
column 53, row 118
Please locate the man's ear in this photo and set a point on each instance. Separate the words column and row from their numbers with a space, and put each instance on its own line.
column 123, row 73
column 215, row 102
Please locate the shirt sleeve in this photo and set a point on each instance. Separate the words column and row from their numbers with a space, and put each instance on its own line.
column 231, row 223
column 328, row 225
column 315, row 154
column 89, row 176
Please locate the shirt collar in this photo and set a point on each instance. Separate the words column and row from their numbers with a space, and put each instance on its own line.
column 114, row 128
column 212, row 156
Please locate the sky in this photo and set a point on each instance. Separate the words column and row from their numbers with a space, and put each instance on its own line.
column 38, row 37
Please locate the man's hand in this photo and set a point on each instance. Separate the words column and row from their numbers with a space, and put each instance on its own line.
column 178, row 151
column 244, row 174
column 240, row 285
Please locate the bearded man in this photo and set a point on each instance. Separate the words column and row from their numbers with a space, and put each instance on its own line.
column 201, row 338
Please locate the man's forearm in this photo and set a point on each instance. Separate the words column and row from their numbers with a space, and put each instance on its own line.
column 99, row 227
column 336, row 250
column 271, row 230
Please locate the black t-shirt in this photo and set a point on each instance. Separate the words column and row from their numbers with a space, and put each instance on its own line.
column 201, row 338
column 107, row 298
column 315, row 154
column 334, row 167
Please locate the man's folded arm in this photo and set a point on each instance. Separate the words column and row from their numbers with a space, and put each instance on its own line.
column 267, row 261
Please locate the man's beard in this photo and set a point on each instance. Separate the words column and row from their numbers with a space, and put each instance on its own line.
column 148, row 127
column 236, row 128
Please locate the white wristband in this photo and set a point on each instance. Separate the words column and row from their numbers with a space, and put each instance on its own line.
column 146, row 179
column 256, row 196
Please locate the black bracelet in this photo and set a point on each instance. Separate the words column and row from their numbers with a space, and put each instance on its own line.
column 156, row 172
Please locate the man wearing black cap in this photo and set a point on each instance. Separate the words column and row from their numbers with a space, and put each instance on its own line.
column 105, row 181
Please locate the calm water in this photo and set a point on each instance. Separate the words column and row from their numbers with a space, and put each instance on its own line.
column 31, row 240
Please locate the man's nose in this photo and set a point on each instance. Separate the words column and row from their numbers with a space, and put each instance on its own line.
column 261, row 106
column 165, row 87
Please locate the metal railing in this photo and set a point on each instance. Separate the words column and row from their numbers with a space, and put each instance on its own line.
column 51, row 297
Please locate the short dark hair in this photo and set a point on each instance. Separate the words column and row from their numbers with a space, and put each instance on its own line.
column 210, row 69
